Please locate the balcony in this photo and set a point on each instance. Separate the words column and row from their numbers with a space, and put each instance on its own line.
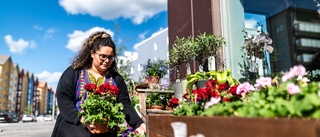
column 308, row 45
column 307, row 29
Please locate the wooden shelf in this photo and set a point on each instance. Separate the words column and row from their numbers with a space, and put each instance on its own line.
column 157, row 111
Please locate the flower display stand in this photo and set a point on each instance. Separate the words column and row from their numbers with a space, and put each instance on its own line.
column 160, row 126
column 142, row 101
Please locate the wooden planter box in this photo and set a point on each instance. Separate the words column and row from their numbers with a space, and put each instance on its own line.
column 160, row 126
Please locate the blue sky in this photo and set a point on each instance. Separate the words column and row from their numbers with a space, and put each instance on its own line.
column 42, row 36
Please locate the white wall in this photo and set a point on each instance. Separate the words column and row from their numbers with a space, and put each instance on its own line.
column 233, row 23
column 154, row 47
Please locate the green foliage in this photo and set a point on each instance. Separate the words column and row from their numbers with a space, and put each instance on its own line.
column 273, row 102
column 155, row 68
column 96, row 108
column 206, row 45
column 188, row 109
column 134, row 99
column 220, row 76
column 314, row 75
column 27, row 110
column 293, row 97
column 160, row 99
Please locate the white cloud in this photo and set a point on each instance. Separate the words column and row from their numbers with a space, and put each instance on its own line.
column 49, row 33
column 51, row 78
column 136, row 10
column 142, row 36
column 250, row 23
column 37, row 27
column 77, row 38
column 18, row 46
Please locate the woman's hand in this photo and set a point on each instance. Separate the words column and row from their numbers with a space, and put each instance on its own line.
column 142, row 129
column 89, row 126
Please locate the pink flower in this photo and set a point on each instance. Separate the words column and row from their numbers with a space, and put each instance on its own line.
column 293, row 89
column 244, row 88
column 263, row 82
column 298, row 70
column 268, row 48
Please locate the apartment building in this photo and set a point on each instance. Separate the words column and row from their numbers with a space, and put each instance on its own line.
column 6, row 66
column 296, row 35
column 18, row 88
column 41, row 105
column 12, row 99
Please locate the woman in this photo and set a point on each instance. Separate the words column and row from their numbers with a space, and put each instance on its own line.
column 96, row 59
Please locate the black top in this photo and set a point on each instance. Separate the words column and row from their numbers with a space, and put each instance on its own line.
column 68, row 121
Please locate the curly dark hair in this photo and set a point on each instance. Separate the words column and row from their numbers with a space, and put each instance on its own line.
column 94, row 42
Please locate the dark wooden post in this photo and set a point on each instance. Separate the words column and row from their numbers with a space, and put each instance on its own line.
column 190, row 18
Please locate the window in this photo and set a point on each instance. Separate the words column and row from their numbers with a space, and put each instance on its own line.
column 155, row 46
column 139, row 67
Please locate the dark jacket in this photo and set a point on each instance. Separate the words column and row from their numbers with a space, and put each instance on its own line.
column 68, row 121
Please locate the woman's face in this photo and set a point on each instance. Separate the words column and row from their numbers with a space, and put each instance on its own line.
column 103, row 58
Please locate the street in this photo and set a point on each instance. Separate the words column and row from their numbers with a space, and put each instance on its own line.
column 32, row 129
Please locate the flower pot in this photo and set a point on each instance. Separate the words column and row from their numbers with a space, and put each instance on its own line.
column 147, row 79
column 201, row 83
column 177, row 89
column 100, row 128
column 157, row 107
column 169, row 108
column 155, row 79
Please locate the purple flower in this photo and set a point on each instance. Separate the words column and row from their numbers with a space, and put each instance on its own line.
column 127, row 132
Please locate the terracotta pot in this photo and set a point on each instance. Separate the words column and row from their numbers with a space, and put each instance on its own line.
column 101, row 128
column 156, row 107
column 147, row 79
column 155, row 79
column 169, row 108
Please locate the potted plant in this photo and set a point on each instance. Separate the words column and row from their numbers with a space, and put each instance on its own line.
column 220, row 75
column 287, row 101
column 205, row 46
column 181, row 52
column 158, row 100
column 156, row 69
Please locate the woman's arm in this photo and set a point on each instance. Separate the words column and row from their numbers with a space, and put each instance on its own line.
column 132, row 117
column 66, row 95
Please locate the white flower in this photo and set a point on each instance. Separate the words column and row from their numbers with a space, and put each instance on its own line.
column 212, row 102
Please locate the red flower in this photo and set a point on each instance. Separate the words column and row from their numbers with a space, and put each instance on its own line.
column 113, row 90
column 223, row 86
column 186, row 96
column 225, row 99
column 201, row 93
column 90, row 87
column 102, row 89
column 174, row 102
column 233, row 90
column 213, row 94
column 211, row 83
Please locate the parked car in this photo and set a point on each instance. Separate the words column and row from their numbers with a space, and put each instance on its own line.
column 40, row 118
column 14, row 118
column 5, row 118
column 29, row 118
column 47, row 118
